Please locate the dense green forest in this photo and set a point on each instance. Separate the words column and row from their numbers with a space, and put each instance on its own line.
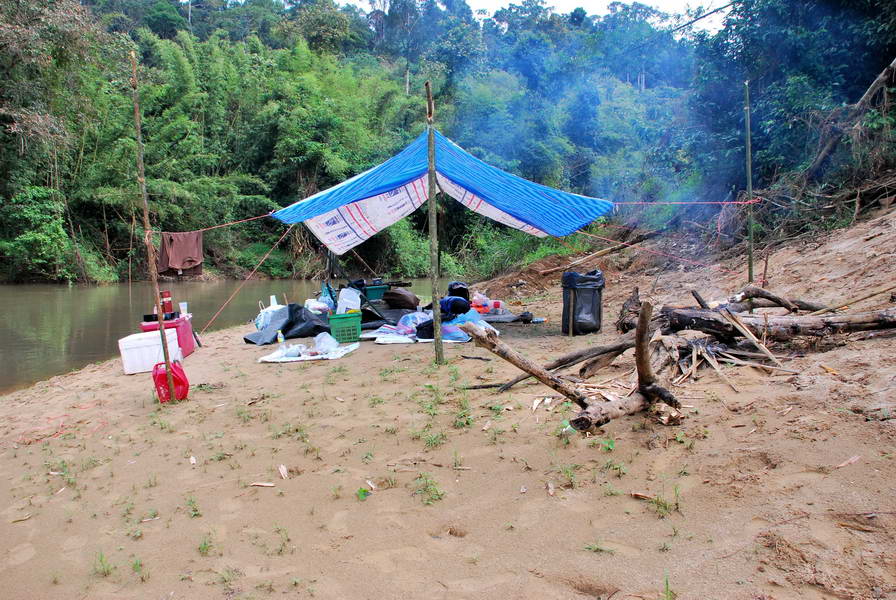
column 249, row 106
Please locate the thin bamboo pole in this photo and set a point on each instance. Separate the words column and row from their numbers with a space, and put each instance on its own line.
column 749, row 159
column 433, row 229
column 150, row 249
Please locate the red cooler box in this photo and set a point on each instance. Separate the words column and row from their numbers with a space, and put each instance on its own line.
column 184, row 326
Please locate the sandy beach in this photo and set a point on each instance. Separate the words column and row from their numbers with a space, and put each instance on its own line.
column 783, row 490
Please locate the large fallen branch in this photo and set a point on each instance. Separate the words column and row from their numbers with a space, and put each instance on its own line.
column 488, row 339
column 761, row 298
column 647, row 384
column 594, row 413
column 650, row 395
column 574, row 358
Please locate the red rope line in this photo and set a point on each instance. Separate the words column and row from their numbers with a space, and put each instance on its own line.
column 248, row 277
column 658, row 253
column 235, row 222
column 224, row 224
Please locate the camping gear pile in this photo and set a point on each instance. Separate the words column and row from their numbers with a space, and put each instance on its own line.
column 372, row 311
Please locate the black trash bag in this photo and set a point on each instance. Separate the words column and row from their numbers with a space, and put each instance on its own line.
column 582, row 302
column 294, row 320
column 460, row 289
column 426, row 330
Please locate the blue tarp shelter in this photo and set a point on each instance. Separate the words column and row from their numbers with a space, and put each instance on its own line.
column 349, row 213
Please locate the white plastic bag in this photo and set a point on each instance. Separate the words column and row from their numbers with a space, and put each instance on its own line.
column 325, row 343
column 264, row 315
column 318, row 308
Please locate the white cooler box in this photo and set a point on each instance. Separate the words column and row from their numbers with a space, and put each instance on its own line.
column 142, row 351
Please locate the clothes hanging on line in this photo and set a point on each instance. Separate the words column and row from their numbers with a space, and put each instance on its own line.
column 181, row 253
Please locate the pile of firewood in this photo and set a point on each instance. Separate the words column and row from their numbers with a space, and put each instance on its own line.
column 681, row 340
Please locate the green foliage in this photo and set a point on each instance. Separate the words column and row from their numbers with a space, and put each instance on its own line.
column 277, row 264
column 32, row 237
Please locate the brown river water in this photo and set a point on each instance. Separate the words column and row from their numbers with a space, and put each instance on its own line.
column 47, row 330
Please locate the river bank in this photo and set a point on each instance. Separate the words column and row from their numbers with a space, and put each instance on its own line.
column 765, row 493
column 48, row 330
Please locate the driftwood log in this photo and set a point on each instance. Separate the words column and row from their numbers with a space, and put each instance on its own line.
column 594, row 413
column 488, row 339
column 628, row 315
column 573, row 358
column 776, row 327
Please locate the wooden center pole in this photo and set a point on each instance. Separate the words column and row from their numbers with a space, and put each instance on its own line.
column 150, row 248
column 433, row 229
column 749, row 165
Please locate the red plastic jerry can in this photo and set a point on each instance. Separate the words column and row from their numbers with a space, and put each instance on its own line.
column 160, row 378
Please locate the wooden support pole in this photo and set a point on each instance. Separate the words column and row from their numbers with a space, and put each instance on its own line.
column 749, row 159
column 150, row 248
column 433, row 229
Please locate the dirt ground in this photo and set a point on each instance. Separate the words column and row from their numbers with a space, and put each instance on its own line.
column 779, row 491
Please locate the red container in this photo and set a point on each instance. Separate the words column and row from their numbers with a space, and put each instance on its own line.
column 184, row 326
column 160, row 378
column 165, row 299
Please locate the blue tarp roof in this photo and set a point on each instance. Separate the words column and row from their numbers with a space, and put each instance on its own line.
column 549, row 210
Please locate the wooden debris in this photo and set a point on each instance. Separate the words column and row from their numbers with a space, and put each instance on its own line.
column 752, row 291
column 848, row 461
column 777, row 327
column 574, row 358
column 712, row 363
column 735, row 320
column 888, row 288
column 262, row 484
column 599, row 253
column 489, row 340
column 283, row 472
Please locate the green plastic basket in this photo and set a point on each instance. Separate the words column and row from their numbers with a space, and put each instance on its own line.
column 375, row 292
column 346, row 328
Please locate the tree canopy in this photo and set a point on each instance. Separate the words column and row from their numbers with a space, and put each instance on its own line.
column 249, row 106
